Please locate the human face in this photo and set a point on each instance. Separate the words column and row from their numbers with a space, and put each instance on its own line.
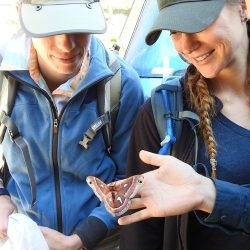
column 223, row 45
column 60, row 57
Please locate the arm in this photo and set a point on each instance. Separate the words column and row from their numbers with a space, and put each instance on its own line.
column 231, row 208
column 58, row 241
column 7, row 207
column 175, row 188
column 100, row 223
column 131, row 99
column 147, row 234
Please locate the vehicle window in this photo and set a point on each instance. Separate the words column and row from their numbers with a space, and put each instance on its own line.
column 151, row 62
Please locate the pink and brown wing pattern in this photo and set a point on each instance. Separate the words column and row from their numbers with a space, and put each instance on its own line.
column 100, row 189
column 116, row 195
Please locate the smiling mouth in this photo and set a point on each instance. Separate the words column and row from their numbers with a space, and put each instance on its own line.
column 203, row 57
column 66, row 60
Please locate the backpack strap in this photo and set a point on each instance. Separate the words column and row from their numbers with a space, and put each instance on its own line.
column 8, row 88
column 167, row 106
column 108, row 99
column 7, row 99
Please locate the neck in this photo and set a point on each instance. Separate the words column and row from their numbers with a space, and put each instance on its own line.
column 52, row 77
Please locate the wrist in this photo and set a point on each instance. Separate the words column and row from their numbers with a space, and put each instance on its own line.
column 76, row 243
column 207, row 192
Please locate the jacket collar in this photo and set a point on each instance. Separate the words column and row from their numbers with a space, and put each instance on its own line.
column 17, row 58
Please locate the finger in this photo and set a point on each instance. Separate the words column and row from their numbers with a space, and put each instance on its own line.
column 138, row 216
column 136, row 203
column 3, row 227
column 153, row 159
column 3, row 235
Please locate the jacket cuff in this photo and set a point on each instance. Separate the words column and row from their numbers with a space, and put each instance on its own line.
column 92, row 232
column 228, row 213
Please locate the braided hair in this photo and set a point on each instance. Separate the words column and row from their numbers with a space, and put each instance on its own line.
column 202, row 101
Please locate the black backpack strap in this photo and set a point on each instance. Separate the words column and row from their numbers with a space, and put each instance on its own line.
column 108, row 99
column 167, row 106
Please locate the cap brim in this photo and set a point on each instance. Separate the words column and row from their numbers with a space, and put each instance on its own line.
column 188, row 17
column 52, row 20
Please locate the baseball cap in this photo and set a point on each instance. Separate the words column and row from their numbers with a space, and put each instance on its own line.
column 41, row 18
column 187, row 16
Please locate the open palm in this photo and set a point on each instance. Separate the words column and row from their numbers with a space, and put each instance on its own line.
column 173, row 189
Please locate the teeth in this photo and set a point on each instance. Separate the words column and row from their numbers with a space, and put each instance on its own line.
column 200, row 58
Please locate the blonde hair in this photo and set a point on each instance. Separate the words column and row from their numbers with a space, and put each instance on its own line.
column 203, row 103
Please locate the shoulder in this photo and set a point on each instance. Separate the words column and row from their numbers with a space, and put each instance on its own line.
column 147, row 108
column 145, row 116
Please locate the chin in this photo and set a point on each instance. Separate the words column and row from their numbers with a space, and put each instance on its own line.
column 68, row 71
column 209, row 74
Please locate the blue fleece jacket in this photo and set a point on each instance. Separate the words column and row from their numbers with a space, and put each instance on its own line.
column 60, row 163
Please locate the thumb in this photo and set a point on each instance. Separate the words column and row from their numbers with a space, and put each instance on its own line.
column 153, row 159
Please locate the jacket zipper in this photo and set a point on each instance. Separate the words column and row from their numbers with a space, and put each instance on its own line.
column 54, row 150
column 56, row 176
column 55, row 126
column 56, row 122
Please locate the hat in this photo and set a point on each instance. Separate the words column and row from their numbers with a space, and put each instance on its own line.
column 41, row 18
column 187, row 16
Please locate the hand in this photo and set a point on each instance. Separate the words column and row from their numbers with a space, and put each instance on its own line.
column 173, row 189
column 59, row 241
column 7, row 207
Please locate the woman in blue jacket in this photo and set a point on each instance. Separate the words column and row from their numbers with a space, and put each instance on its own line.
column 58, row 65
column 214, row 37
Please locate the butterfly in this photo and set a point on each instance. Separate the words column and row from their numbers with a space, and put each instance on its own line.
column 116, row 195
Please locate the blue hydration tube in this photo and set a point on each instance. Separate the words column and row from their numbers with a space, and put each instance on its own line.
column 169, row 138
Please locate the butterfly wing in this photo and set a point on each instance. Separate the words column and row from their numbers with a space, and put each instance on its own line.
column 130, row 186
column 100, row 188
column 118, row 201
column 116, row 195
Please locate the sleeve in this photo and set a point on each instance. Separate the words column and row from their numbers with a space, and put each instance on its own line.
column 231, row 211
column 100, row 223
column 146, row 234
column 94, row 227
column 132, row 98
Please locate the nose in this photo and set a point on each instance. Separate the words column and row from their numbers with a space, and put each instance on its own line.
column 65, row 42
column 189, row 43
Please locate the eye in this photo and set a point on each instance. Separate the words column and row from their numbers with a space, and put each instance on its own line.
column 172, row 32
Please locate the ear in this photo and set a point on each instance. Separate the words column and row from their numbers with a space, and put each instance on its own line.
column 243, row 11
column 17, row 5
column 244, row 6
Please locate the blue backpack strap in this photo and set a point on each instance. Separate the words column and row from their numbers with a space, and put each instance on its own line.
column 167, row 106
